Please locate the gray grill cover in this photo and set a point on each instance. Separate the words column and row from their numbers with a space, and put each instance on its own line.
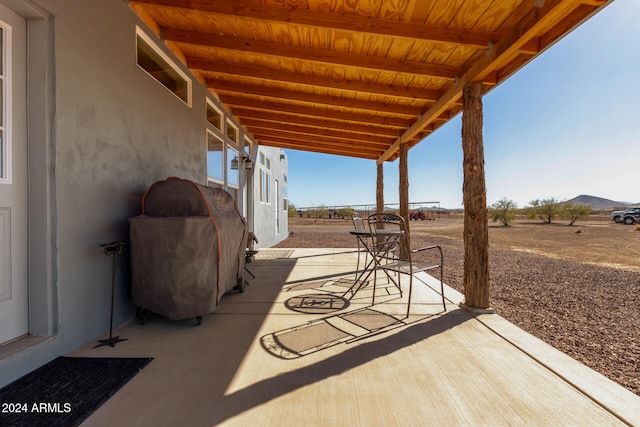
column 187, row 248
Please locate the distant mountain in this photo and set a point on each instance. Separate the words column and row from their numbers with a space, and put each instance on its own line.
column 598, row 203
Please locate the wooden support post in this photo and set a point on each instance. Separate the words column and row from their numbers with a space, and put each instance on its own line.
column 403, row 191
column 476, row 232
column 380, row 189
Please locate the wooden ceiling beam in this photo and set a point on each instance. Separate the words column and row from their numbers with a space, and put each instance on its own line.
column 275, row 120
column 309, row 54
column 294, row 141
column 335, row 21
column 380, row 143
column 502, row 53
column 319, row 148
column 285, row 76
column 312, row 98
column 237, row 100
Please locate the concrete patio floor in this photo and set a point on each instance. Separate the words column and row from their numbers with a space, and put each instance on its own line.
column 286, row 352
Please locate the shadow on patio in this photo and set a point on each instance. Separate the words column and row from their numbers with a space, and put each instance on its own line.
column 285, row 352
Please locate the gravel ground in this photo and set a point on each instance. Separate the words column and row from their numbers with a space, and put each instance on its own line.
column 589, row 312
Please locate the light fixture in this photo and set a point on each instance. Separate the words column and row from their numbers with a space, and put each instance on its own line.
column 248, row 164
column 234, row 163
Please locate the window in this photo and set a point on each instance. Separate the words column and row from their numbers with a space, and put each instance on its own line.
column 215, row 159
column 214, row 115
column 158, row 65
column 233, row 166
column 5, row 99
column 248, row 146
column 285, row 196
column 232, row 132
column 265, row 179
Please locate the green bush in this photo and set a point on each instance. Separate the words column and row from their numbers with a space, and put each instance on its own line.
column 546, row 209
column 504, row 211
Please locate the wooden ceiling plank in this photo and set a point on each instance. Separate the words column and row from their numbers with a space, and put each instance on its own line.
column 504, row 51
column 318, row 149
column 313, row 80
column 327, row 130
column 347, row 59
column 379, row 142
column 284, row 117
column 234, row 100
column 311, row 98
column 312, row 139
column 344, row 22
column 357, row 150
column 301, row 141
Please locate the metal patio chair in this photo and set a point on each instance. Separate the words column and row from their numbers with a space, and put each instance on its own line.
column 360, row 226
column 391, row 246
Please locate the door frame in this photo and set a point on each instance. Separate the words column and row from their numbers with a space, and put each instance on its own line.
column 42, row 272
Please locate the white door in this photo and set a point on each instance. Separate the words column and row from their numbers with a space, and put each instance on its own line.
column 14, row 314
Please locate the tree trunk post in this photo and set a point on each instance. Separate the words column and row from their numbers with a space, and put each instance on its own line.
column 476, row 234
column 403, row 192
column 380, row 188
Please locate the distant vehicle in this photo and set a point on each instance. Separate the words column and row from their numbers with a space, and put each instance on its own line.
column 618, row 216
column 631, row 216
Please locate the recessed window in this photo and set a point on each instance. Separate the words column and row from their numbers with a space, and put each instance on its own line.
column 215, row 158
column 285, row 196
column 158, row 65
column 265, row 179
column 232, row 132
column 214, row 115
column 248, row 146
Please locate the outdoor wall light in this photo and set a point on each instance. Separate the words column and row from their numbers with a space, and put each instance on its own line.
column 248, row 164
column 234, row 163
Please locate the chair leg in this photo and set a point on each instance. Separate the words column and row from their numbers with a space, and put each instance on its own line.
column 358, row 264
column 444, row 304
column 410, row 292
column 375, row 279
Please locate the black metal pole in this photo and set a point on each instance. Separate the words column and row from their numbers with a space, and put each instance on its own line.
column 113, row 249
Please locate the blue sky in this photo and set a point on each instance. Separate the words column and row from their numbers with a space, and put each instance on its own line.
column 567, row 124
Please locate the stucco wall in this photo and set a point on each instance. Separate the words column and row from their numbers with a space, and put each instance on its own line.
column 265, row 213
column 102, row 130
column 112, row 130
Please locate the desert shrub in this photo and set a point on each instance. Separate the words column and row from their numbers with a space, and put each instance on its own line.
column 344, row 213
column 546, row 209
column 292, row 212
column 504, row 211
column 317, row 212
column 573, row 211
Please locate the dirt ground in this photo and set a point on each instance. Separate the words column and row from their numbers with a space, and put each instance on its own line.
column 575, row 287
column 597, row 241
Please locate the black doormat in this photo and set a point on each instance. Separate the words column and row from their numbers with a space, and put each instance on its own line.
column 65, row 391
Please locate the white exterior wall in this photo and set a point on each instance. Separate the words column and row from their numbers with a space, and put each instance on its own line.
column 271, row 222
column 101, row 131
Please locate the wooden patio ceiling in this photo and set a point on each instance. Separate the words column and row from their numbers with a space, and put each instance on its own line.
column 355, row 77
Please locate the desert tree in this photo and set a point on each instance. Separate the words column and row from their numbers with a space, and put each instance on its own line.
column 317, row 212
column 344, row 212
column 573, row 211
column 292, row 212
column 546, row 209
column 504, row 211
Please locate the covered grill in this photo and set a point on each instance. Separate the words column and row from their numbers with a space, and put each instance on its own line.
column 187, row 249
